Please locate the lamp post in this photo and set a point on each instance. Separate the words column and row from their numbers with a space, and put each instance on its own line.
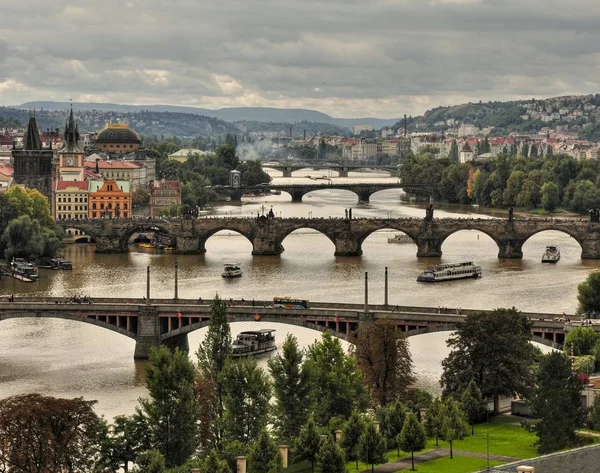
column 366, row 292
column 176, row 281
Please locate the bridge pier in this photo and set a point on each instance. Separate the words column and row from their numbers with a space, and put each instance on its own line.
column 511, row 248
column 364, row 196
column 590, row 249
column 110, row 244
column 188, row 245
column 342, row 172
column 262, row 246
column 178, row 341
column 235, row 196
column 347, row 246
column 429, row 247
column 287, row 172
column 148, row 332
column 297, row 195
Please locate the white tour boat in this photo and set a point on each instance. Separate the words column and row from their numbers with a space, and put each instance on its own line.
column 253, row 342
column 400, row 238
column 232, row 270
column 551, row 255
column 450, row 271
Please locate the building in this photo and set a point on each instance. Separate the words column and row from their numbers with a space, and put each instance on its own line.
column 117, row 138
column 183, row 154
column 121, row 170
column 164, row 194
column 70, row 158
column 32, row 163
column 6, row 177
column 358, row 128
column 70, row 200
column 466, row 153
column 467, row 130
column 109, row 199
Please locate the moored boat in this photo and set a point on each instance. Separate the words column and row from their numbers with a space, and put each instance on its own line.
column 23, row 270
column 253, row 342
column 400, row 238
column 450, row 271
column 232, row 270
column 551, row 255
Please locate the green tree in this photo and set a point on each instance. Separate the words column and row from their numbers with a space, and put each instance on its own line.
column 27, row 238
column 43, row 434
column 246, row 393
column 308, row 443
column 151, row 461
column 330, row 458
column 352, row 431
column 226, row 154
column 126, row 438
column 337, row 386
column 433, row 422
column 473, row 404
column 264, row 456
column 550, row 196
column 213, row 353
column 412, row 437
column 581, row 341
column 371, row 447
column 492, row 349
column 384, row 358
column 291, row 388
column 213, row 464
column 171, row 408
column 588, row 294
column 391, row 420
column 453, row 423
column 594, row 414
column 557, row 403
column 453, row 153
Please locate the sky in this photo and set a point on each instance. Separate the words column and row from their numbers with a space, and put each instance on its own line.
column 347, row 58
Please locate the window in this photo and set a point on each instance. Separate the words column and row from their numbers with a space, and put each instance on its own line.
column 101, row 206
column 94, row 206
column 125, row 206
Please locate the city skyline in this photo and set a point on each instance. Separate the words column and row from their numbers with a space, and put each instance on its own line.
column 378, row 59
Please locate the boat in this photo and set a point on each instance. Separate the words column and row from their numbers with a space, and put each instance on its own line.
column 253, row 342
column 59, row 263
column 232, row 270
column 145, row 245
column 24, row 270
column 400, row 238
column 450, row 271
column 551, row 255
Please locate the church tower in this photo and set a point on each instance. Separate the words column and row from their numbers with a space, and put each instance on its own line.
column 32, row 163
column 70, row 158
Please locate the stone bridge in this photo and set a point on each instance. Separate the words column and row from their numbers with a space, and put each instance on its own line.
column 168, row 321
column 297, row 191
column 347, row 235
column 342, row 169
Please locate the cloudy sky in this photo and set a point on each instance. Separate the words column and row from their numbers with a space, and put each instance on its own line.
column 347, row 58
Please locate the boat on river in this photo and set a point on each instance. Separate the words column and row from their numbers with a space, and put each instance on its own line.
column 25, row 271
column 450, row 271
column 253, row 342
column 551, row 255
column 232, row 270
column 400, row 238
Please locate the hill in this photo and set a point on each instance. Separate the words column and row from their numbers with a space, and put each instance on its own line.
column 232, row 114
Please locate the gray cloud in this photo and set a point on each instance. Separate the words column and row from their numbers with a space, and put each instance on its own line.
column 347, row 58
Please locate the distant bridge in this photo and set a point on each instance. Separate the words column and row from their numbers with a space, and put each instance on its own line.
column 347, row 235
column 168, row 321
column 342, row 169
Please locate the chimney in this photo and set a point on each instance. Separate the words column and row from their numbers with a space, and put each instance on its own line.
column 97, row 166
column 405, row 125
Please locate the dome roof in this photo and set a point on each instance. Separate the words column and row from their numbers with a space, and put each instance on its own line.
column 117, row 134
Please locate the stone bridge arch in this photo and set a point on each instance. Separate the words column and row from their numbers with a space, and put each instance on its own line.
column 300, row 226
column 203, row 237
column 86, row 228
column 475, row 227
column 126, row 233
column 411, row 233
column 565, row 230
column 339, row 187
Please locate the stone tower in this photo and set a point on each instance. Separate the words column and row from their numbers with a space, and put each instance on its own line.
column 33, row 165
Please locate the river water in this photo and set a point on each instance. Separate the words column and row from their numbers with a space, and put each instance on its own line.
column 66, row 359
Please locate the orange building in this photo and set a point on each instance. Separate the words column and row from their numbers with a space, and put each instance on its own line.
column 109, row 199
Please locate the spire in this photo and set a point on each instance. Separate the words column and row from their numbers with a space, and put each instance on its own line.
column 32, row 141
column 71, row 135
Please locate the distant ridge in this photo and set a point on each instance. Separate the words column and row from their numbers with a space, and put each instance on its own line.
column 233, row 114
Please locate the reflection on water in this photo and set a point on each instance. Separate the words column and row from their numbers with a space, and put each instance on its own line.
column 63, row 358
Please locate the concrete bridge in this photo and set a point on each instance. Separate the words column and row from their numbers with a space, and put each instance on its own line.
column 168, row 321
column 347, row 235
column 342, row 169
column 297, row 191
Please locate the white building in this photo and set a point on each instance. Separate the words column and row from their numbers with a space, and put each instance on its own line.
column 358, row 128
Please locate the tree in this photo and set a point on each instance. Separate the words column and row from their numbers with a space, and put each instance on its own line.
column 291, row 389
column 492, row 349
column 336, row 381
column 391, row 420
column 557, row 403
column 126, row 438
column 433, row 422
column 412, row 438
column 581, row 341
column 453, row 153
column 352, row 431
column 453, row 423
column 308, row 443
column 264, row 456
column 43, row 433
column 473, row 404
column 384, row 358
column 330, row 458
column 171, row 409
column 550, row 196
column 140, row 197
column 588, row 294
column 246, row 393
column 213, row 353
column 150, row 461
column 226, row 154
column 594, row 414
column 213, row 464
column 371, row 447
column 26, row 238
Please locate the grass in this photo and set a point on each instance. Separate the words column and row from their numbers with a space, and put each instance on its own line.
column 390, row 456
column 456, row 465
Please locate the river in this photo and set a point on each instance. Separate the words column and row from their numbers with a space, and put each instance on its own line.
column 67, row 359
